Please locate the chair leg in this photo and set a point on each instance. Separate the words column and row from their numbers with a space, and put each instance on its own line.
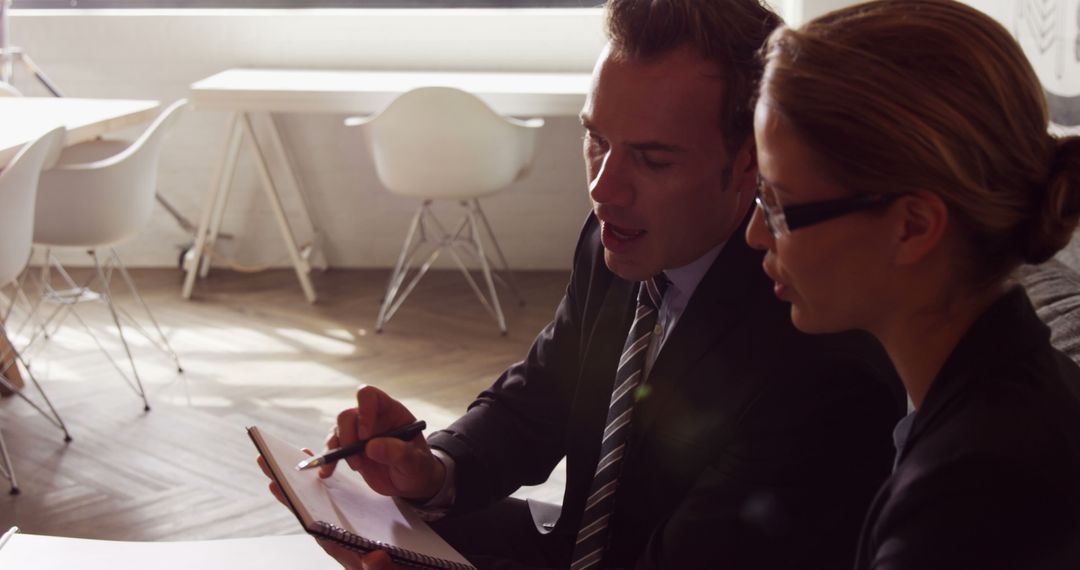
column 424, row 267
column 104, row 351
column 51, row 415
column 401, row 269
column 449, row 241
column 66, row 300
column 8, row 368
column 455, row 241
column 511, row 279
column 469, row 278
column 134, row 291
column 31, row 306
column 471, row 244
column 7, row 469
column 105, row 292
column 486, row 267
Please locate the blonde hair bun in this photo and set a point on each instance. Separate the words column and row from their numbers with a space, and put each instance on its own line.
column 1057, row 214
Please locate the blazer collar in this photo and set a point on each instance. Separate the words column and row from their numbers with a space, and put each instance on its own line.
column 1006, row 331
column 717, row 304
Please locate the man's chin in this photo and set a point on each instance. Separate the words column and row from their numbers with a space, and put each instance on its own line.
column 630, row 268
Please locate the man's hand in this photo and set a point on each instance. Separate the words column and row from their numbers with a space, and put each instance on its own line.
column 275, row 489
column 352, row 560
column 390, row 466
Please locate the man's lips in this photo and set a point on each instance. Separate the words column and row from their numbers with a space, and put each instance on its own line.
column 621, row 232
column 618, row 238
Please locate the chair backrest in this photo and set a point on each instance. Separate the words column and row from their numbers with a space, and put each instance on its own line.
column 18, row 190
column 440, row 142
column 102, row 203
column 8, row 90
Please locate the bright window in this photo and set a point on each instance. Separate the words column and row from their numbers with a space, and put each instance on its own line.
column 67, row 4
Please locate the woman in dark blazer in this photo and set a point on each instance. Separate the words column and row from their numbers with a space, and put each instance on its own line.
column 906, row 171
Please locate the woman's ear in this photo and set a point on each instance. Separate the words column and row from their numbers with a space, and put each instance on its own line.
column 920, row 221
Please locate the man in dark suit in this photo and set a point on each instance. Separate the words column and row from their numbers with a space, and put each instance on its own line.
column 741, row 443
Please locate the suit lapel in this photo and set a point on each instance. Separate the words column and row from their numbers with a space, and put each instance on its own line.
column 609, row 330
column 602, row 347
column 717, row 305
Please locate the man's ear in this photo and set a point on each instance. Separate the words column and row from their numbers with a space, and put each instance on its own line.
column 744, row 167
column 920, row 221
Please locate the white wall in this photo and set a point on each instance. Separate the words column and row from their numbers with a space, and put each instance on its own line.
column 157, row 54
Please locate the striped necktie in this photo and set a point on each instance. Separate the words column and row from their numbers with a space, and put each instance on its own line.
column 592, row 534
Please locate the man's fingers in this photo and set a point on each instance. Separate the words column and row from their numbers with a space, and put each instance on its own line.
column 391, row 452
column 350, row 559
column 379, row 412
column 347, row 422
column 412, row 469
column 265, row 468
column 371, row 405
column 332, row 442
column 378, row 560
column 276, row 490
column 327, row 470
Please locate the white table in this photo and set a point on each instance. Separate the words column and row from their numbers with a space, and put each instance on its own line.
column 23, row 119
column 252, row 95
column 265, row 553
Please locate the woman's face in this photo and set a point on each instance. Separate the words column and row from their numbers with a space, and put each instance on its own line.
column 834, row 272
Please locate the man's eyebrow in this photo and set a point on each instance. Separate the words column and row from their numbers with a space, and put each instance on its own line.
column 655, row 146
column 642, row 146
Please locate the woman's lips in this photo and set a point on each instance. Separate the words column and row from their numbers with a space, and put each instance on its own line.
column 780, row 289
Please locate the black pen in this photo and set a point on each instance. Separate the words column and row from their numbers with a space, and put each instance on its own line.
column 404, row 433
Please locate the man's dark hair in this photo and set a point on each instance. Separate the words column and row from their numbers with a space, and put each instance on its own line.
column 727, row 32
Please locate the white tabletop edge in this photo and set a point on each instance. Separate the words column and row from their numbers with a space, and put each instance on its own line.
column 344, row 91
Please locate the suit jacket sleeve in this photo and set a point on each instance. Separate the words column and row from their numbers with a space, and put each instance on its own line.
column 514, row 433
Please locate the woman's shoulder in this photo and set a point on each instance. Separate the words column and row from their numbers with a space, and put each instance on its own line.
column 1007, row 430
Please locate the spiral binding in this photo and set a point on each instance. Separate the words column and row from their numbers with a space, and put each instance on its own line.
column 406, row 557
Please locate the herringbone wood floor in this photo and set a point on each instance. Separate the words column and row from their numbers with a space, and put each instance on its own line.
column 253, row 351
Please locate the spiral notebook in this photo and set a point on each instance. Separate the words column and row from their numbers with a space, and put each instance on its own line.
column 342, row 508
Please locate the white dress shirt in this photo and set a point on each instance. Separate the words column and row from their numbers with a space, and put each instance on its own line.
column 684, row 281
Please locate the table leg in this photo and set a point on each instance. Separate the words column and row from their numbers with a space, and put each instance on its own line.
column 221, row 204
column 281, row 153
column 301, row 266
column 228, row 161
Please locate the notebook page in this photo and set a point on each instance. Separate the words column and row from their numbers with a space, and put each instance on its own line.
column 346, row 501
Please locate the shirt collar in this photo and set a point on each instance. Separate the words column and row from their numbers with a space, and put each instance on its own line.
column 685, row 279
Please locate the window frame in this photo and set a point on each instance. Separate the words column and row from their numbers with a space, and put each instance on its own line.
column 297, row 4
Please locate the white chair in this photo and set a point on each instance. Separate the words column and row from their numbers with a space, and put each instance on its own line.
column 8, row 90
column 98, row 195
column 18, row 189
column 440, row 143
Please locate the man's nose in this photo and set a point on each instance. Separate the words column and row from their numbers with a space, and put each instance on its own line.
column 609, row 184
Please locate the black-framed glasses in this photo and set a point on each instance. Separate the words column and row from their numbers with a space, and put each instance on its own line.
column 782, row 220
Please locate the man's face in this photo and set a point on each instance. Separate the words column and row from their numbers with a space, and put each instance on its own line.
column 655, row 159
